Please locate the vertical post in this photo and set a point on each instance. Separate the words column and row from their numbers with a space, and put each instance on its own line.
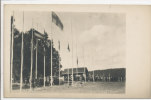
column 77, row 72
column 59, row 61
column 31, row 60
column 51, row 51
column 51, row 62
column 59, row 70
column 84, row 65
column 36, row 55
column 109, row 77
column 44, row 66
column 93, row 76
column 72, row 53
column 12, row 47
column 77, row 58
column 68, row 64
column 93, row 70
column 68, row 76
column 22, row 58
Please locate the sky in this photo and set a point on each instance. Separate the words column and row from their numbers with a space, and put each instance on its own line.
column 98, row 40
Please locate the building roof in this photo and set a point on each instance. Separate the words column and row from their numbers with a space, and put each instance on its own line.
column 75, row 70
column 38, row 34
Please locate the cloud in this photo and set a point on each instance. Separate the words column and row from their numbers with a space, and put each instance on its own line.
column 106, row 44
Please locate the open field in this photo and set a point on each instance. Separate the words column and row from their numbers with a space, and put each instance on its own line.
column 88, row 87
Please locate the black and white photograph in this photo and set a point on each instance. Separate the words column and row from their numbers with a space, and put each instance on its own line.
column 76, row 51
column 79, row 52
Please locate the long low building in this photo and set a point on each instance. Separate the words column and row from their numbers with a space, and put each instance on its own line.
column 114, row 75
column 79, row 74
column 82, row 74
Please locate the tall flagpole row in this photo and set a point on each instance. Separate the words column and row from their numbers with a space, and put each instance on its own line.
column 36, row 54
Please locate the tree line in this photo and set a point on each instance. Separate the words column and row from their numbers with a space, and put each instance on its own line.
column 42, row 43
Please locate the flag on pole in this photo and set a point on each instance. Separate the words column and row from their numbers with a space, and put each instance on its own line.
column 56, row 20
column 68, row 47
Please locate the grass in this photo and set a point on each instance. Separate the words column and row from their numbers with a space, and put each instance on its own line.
column 77, row 87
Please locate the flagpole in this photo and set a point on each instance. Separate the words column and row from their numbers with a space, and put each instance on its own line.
column 59, row 62
column 84, row 64
column 93, row 76
column 44, row 66
column 58, row 22
column 93, row 70
column 51, row 50
column 68, row 63
column 51, row 62
column 72, row 52
column 22, row 58
column 12, row 47
column 31, row 58
column 77, row 57
column 59, row 70
column 36, row 52
column 36, row 55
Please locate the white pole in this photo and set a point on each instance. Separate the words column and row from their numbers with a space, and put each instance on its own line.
column 93, row 70
column 22, row 58
column 51, row 62
column 36, row 55
column 31, row 59
column 44, row 66
column 59, row 70
column 59, row 61
column 84, row 65
column 76, row 58
column 36, row 52
column 51, row 51
column 68, row 68
column 72, row 53
column 12, row 47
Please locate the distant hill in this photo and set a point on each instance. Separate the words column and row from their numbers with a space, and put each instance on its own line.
column 116, row 74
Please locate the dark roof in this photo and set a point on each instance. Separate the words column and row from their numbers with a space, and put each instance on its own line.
column 116, row 72
column 38, row 34
column 75, row 70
